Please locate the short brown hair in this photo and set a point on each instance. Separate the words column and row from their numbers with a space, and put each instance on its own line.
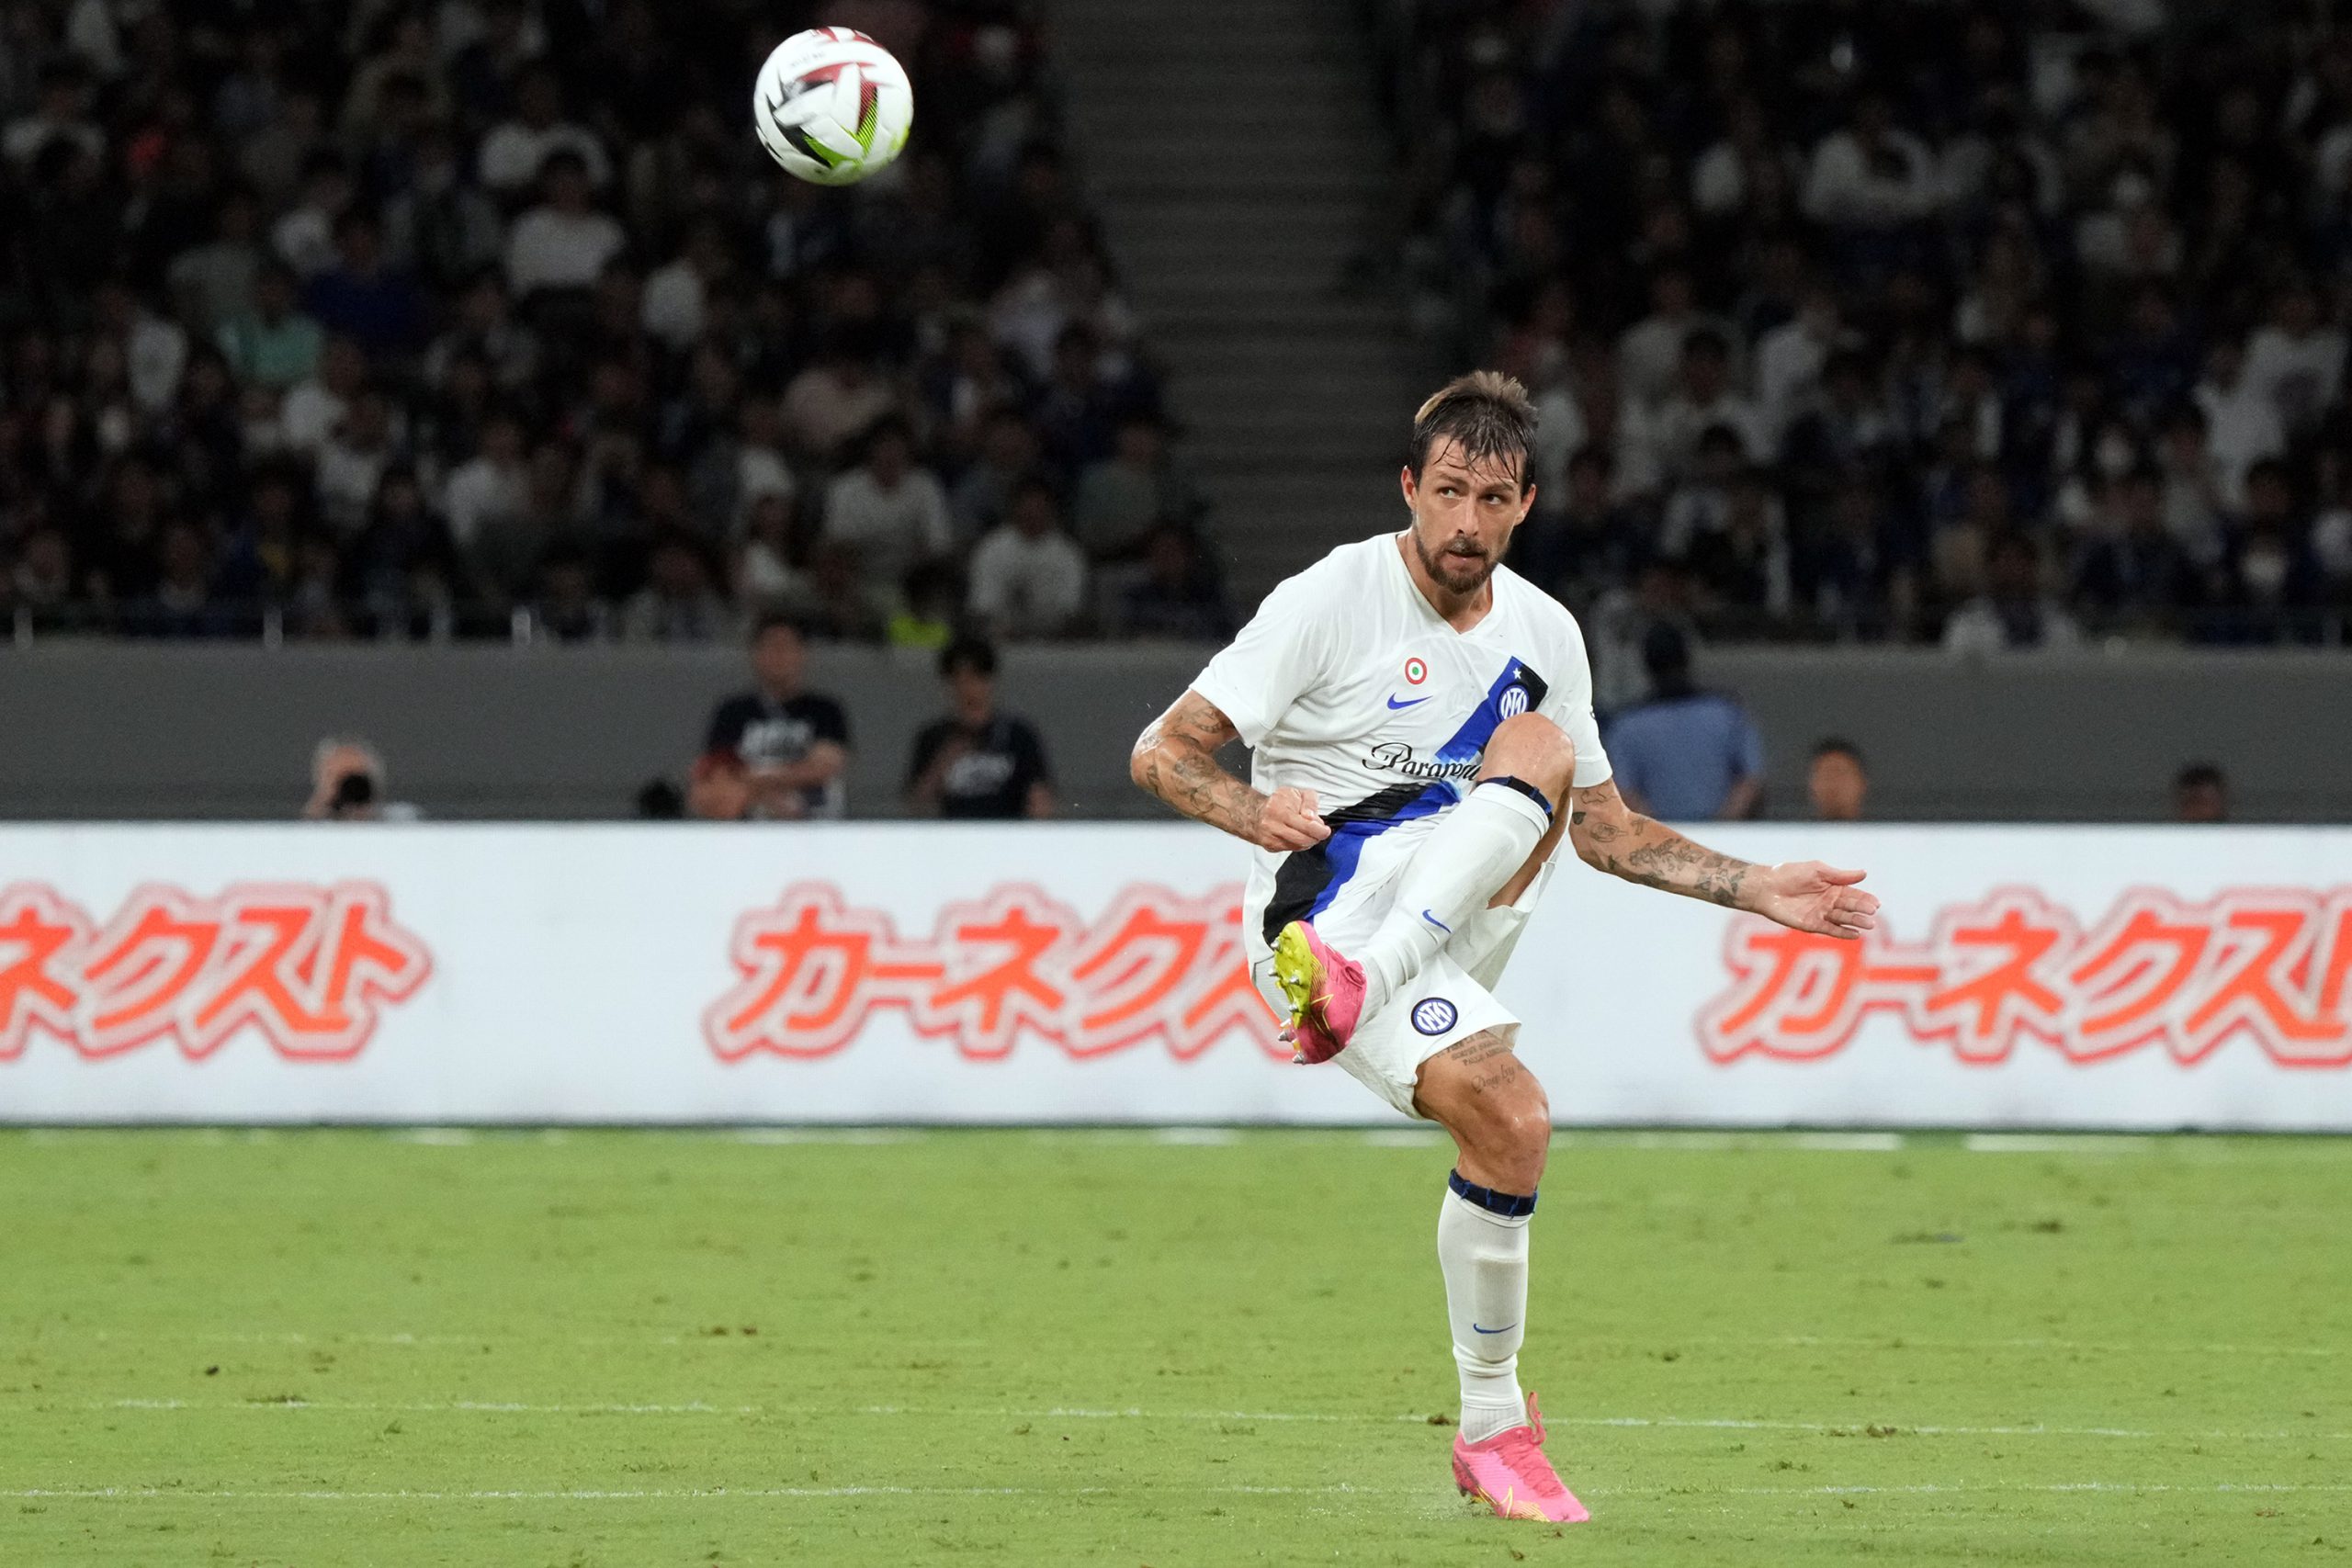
column 1486, row 411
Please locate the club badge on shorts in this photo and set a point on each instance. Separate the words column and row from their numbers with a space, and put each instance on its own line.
column 1433, row 1015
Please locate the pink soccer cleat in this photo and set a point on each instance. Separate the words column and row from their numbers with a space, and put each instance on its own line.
column 1508, row 1473
column 1325, row 992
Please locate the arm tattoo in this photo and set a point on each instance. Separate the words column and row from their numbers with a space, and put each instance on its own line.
column 1175, row 758
column 1611, row 837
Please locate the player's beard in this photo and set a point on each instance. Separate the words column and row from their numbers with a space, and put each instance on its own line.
column 1455, row 573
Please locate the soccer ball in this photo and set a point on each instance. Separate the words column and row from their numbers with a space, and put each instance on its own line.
column 832, row 105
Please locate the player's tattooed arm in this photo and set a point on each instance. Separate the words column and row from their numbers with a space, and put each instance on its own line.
column 1175, row 758
column 1611, row 836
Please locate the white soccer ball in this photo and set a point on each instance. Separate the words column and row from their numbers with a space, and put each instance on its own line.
column 832, row 105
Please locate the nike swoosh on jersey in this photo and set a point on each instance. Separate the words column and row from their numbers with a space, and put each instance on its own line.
column 1438, row 924
column 1414, row 703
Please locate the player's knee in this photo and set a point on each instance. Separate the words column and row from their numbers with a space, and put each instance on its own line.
column 1529, row 747
column 1517, row 1137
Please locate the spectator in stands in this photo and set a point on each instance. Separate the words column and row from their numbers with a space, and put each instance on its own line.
column 361, row 297
column 1704, row 401
column 348, row 784
column 563, row 242
column 312, row 197
column 679, row 601
column 977, row 763
column 2200, row 792
column 1123, row 498
column 836, row 397
column 2013, row 614
column 1028, row 577
column 1009, row 454
column 518, row 150
column 1837, row 784
column 2267, row 578
column 1179, row 597
column 567, row 608
column 271, row 344
column 930, row 600
column 779, row 749
column 888, row 509
column 2133, row 572
column 1685, row 754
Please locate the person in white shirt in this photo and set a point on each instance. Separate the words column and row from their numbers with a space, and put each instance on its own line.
column 516, row 149
column 2241, row 423
column 304, row 237
column 1422, row 735
column 2296, row 360
column 1705, row 400
column 1028, row 576
column 892, row 512
column 59, row 113
column 492, row 486
column 563, row 242
column 677, row 292
column 1789, row 358
column 315, row 406
column 2013, row 614
column 1649, row 353
column 1869, row 174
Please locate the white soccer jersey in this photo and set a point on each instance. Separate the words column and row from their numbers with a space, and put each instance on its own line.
column 1349, row 684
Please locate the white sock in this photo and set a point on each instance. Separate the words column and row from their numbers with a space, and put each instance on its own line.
column 1484, row 1255
column 1449, row 878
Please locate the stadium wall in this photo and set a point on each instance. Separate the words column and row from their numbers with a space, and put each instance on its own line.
column 2024, row 977
column 99, row 730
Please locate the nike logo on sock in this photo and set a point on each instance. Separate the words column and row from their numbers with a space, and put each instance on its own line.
column 1506, row 1328
column 1438, row 924
column 1414, row 703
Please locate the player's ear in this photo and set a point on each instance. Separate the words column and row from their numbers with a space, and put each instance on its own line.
column 1410, row 485
column 1526, row 501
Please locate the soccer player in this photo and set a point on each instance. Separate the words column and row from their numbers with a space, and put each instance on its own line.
column 1422, row 723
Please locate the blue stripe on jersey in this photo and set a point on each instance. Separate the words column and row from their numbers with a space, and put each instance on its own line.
column 1479, row 728
column 1344, row 848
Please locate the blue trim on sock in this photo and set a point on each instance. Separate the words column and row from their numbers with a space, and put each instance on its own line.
column 1510, row 1205
column 1524, row 788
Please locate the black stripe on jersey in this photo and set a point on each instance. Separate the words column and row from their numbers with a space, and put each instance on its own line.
column 1304, row 874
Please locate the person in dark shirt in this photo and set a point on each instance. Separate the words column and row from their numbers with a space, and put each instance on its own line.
column 977, row 763
column 777, row 751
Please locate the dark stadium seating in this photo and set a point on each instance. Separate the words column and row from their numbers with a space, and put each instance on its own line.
column 2004, row 324
column 491, row 318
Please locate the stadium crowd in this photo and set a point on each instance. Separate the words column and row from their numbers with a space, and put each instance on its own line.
column 2006, row 324
column 490, row 317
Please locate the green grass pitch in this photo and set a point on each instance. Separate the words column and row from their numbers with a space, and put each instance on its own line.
column 1185, row 1349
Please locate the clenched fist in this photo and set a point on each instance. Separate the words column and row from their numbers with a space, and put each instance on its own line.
column 1289, row 820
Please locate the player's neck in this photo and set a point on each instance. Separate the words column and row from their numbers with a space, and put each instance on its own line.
column 1460, row 611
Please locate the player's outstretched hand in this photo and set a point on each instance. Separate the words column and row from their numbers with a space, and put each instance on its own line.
column 1810, row 896
column 1290, row 821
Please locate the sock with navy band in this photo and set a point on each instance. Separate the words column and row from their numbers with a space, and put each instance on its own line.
column 1456, row 873
column 1482, row 1248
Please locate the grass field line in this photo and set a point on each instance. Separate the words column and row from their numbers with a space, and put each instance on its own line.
column 710, row 1494
column 1733, row 1341
column 1973, row 1346
column 1865, row 1425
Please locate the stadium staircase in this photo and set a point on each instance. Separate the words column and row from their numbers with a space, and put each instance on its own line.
column 1232, row 150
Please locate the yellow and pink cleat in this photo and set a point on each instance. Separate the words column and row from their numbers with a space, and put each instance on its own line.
column 1326, row 993
column 1508, row 1473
